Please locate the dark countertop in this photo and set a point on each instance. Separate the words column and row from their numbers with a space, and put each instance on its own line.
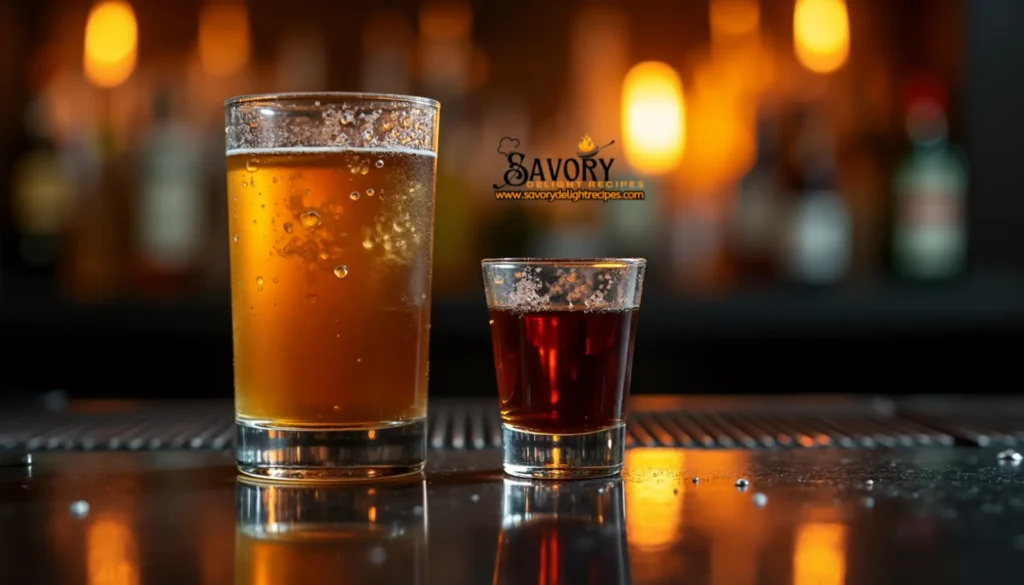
column 808, row 517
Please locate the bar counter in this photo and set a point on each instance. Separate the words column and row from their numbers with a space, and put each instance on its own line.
column 931, row 507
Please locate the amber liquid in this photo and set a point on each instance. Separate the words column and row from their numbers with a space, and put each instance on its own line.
column 330, row 292
column 563, row 372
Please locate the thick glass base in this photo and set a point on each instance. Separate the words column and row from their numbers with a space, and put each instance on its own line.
column 577, row 456
column 330, row 454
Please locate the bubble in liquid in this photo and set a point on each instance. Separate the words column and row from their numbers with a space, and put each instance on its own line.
column 259, row 280
column 336, row 408
column 235, row 237
column 369, row 192
column 364, row 170
column 499, row 280
column 324, row 255
column 254, row 222
column 274, row 179
column 312, row 298
column 317, row 104
column 288, row 227
column 275, row 280
column 252, row 165
column 380, row 164
column 367, row 244
column 347, row 118
column 245, row 184
column 309, row 192
column 354, row 195
column 367, row 134
column 263, row 205
column 341, row 271
column 359, row 360
column 310, row 219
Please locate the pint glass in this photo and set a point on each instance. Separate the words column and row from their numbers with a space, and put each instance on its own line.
column 331, row 217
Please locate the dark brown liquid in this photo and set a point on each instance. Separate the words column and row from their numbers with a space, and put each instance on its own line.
column 563, row 371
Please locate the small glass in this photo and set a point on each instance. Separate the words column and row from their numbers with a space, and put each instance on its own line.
column 563, row 532
column 562, row 333
column 331, row 219
column 294, row 533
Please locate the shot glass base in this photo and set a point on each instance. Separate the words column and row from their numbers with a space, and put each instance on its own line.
column 577, row 456
column 272, row 452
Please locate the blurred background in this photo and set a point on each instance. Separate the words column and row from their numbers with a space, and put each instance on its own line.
column 833, row 196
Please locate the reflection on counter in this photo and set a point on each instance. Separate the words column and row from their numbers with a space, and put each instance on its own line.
column 314, row 534
column 562, row 533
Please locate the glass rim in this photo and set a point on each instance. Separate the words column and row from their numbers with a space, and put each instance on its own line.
column 331, row 96
column 569, row 262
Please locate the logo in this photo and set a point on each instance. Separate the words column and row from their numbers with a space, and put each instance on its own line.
column 585, row 176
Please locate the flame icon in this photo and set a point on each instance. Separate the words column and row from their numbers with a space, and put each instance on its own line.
column 586, row 147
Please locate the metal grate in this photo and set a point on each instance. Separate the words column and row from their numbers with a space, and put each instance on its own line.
column 474, row 424
column 982, row 421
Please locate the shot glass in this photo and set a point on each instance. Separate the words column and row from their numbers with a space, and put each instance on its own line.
column 562, row 333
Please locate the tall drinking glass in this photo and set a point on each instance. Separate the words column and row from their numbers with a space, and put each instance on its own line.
column 562, row 332
column 331, row 201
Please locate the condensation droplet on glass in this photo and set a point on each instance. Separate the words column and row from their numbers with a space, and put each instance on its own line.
column 274, row 179
column 353, row 195
column 252, row 165
column 288, row 227
column 259, row 280
column 254, row 222
column 245, row 184
column 341, row 271
column 369, row 192
column 235, row 237
column 263, row 205
column 310, row 219
column 499, row 280
column 380, row 163
column 312, row 298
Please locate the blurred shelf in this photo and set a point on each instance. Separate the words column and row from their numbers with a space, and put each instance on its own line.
column 979, row 306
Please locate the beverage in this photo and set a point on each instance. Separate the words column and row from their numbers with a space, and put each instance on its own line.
column 331, row 212
column 563, row 371
column 330, row 256
column 562, row 333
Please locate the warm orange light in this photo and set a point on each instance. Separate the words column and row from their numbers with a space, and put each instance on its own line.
column 224, row 44
column 112, row 555
column 653, row 117
column 734, row 18
column 111, row 43
column 720, row 134
column 821, row 34
column 819, row 556
column 654, row 512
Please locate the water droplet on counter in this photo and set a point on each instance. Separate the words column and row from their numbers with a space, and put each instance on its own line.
column 1010, row 455
column 79, row 509
column 252, row 165
column 310, row 219
column 341, row 271
column 312, row 298
column 288, row 227
column 354, row 195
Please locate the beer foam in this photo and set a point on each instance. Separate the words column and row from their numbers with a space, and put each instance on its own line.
column 329, row 150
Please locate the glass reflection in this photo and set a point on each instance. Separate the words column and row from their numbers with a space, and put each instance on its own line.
column 556, row 533
column 316, row 534
column 819, row 556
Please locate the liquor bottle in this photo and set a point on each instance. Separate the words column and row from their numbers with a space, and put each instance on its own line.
column 170, row 213
column 756, row 213
column 820, row 230
column 929, row 236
